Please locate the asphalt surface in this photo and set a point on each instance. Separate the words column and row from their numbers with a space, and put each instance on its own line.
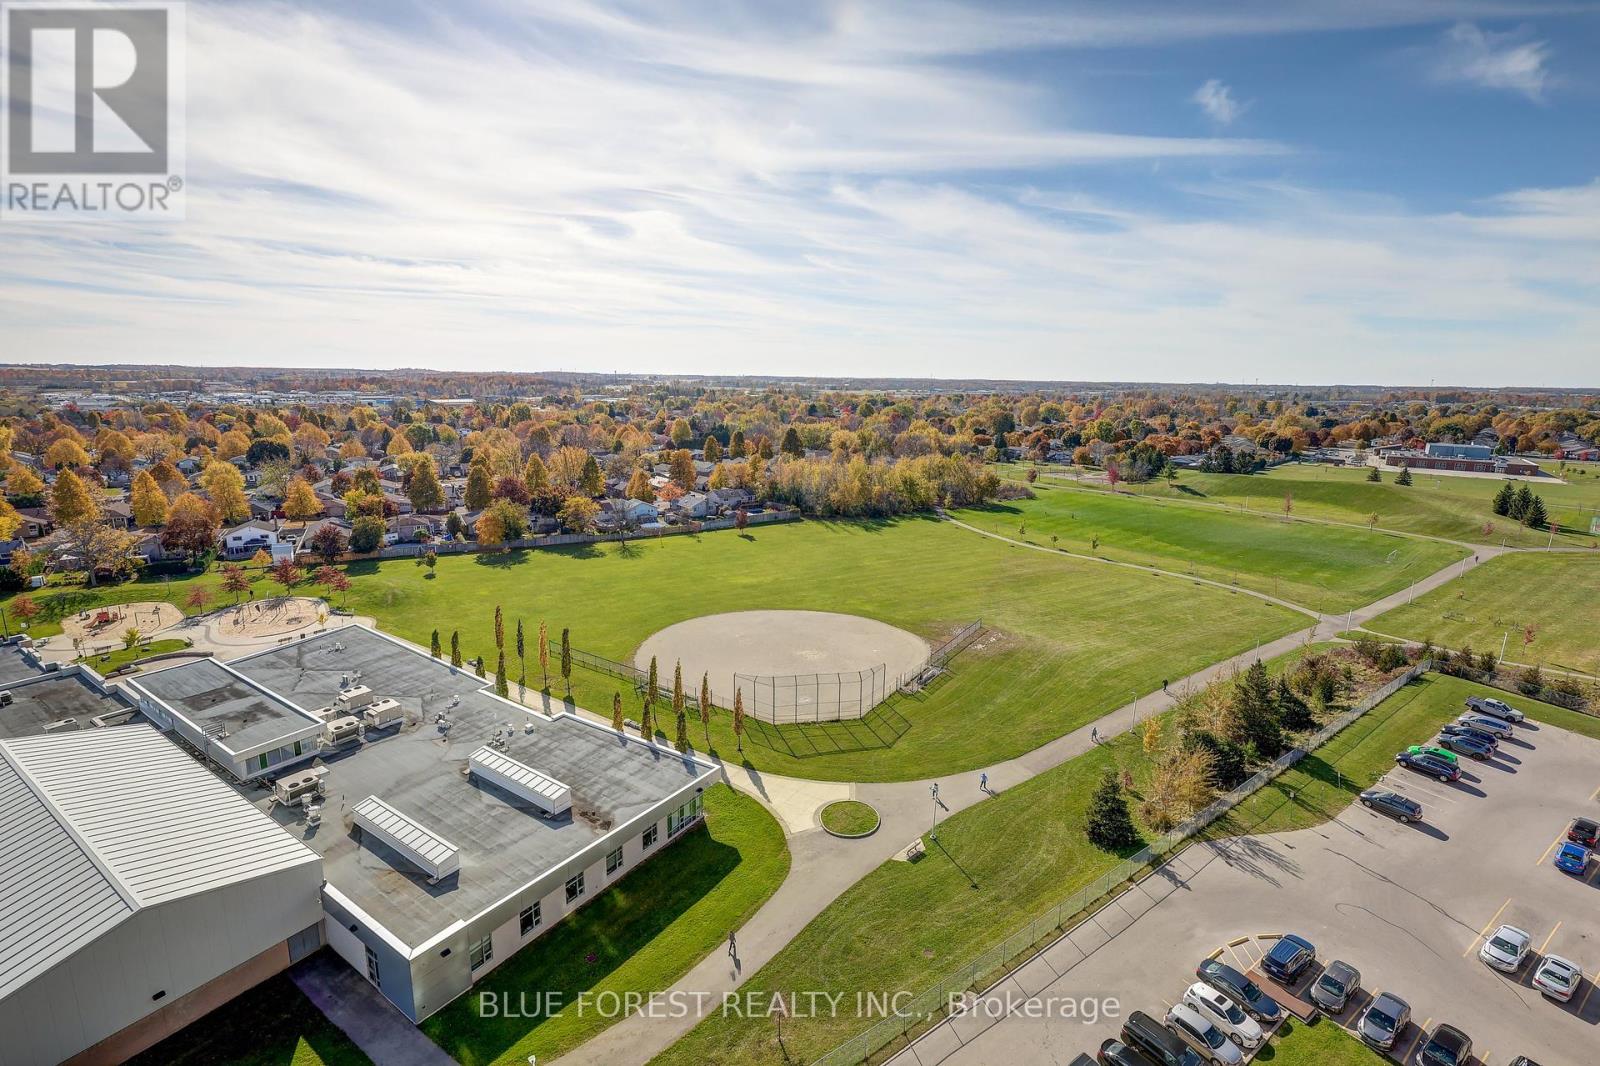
column 1408, row 906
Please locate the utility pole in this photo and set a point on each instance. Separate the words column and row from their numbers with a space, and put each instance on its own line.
column 933, row 834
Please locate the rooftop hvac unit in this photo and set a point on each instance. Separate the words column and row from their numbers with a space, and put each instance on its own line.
column 521, row 780
column 431, row 853
column 292, row 788
column 338, row 731
column 382, row 713
column 355, row 696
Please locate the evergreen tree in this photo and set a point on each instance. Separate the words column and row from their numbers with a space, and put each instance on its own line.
column 1110, row 826
column 500, row 686
column 1293, row 714
column 1536, row 516
column 424, row 490
column 1229, row 765
column 455, row 648
column 647, row 725
column 433, row 647
column 477, row 666
column 566, row 658
column 1502, row 499
column 681, row 741
column 591, row 481
column 791, row 445
column 1374, row 475
column 736, row 448
column 1521, row 502
column 480, row 489
column 522, row 652
column 655, row 685
column 1257, row 709
column 738, row 719
column 616, row 711
column 1404, row 477
column 712, row 450
column 705, row 697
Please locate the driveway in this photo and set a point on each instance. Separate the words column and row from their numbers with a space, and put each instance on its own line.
column 1408, row 906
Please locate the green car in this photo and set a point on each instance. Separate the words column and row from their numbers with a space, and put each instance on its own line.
column 1423, row 749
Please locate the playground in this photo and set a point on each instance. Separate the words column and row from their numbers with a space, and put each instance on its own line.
column 248, row 623
column 103, row 625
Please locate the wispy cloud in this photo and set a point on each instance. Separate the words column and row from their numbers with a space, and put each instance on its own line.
column 1511, row 61
column 1217, row 101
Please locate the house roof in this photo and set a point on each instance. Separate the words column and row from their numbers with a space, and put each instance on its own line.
column 88, row 856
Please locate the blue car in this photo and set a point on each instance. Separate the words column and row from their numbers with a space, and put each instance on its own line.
column 1289, row 958
column 1573, row 859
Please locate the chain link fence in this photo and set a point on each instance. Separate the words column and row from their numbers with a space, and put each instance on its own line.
column 932, row 1004
column 789, row 698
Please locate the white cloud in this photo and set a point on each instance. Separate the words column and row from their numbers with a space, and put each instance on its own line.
column 1217, row 101
column 1511, row 61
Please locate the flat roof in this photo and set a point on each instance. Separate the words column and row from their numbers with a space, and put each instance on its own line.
column 66, row 701
column 505, row 842
column 239, row 713
column 13, row 667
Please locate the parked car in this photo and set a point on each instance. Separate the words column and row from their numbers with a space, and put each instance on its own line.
column 1205, row 1039
column 1428, row 764
column 1156, row 1042
column 1465, row 744
column 1225, row 1014
column 1289, row 958
column 1385, row 1018
column 1332, row 990
column 1505, row 949
column 1239, row 988
column 1496, row 727
column 1496, row 709
column 1438, row 753
column 1456, row 729
column 1081, row 1060
column 1522, row 1060
column 1448, row 1046
column 1116, row 1053
column 1557, row 977
column 1393, row 804
column 1585, row 831
column 1572, row 859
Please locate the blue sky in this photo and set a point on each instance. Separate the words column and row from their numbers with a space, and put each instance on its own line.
column 1352, row 191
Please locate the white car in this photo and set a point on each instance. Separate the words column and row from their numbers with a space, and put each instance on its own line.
column 1225, row 1014
column 1505, row 949
column 1500, row 709
column 1206, row 1039
column 1558, row 978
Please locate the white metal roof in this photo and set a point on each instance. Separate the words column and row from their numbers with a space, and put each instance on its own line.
column 157, row 821
column 522, row 778
column 422, row 845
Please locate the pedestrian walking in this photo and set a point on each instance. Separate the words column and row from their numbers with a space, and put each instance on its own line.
column 1163, row 684
column 1094, row 735
column 983, row 781
column 733, row 947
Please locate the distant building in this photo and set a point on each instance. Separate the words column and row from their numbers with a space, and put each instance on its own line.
column 1460, row 458
column 1572, row 446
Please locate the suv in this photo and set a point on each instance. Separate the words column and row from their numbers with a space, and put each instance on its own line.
column 1225, row 1014
column 1116, row 1053
column 1495, row 727
column 1210, row 1042
column 1472, row 747
column 1156, row 1043
column 1585, row 831
column 1289, row 958
column 1448, row 1046
column 1239, row 988
column 1496, row 709
column 1385, row 1018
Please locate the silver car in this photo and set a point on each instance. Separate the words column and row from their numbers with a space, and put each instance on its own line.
column 1385, row 1018
column 1206, row 1039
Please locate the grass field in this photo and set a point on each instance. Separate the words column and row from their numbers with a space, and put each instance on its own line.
column 273, row 1024
column 1327, row 568
column 1439, row 506
column 1320, row 1044
column 639, row 936
column 1067, row 640
column 1558, row 594
column 850, row 818
column 122, row 656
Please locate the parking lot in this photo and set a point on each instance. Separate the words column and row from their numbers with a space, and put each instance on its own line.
column 1406, row 905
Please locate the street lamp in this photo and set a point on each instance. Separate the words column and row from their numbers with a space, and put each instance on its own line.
column 933, row 834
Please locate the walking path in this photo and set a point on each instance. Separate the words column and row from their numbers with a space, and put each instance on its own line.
column 824, row 866
column 350, row 1002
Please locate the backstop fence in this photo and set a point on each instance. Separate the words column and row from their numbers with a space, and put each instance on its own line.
column 938, row 657
column 788, row 698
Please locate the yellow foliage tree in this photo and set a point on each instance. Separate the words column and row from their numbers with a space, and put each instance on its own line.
column 225, row 486
column 71, row 501
column 148, row 501
column 300, row 502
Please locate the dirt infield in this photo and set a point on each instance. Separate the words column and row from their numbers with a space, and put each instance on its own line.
column 109, row 623
column 781, row 644
column 265, row 618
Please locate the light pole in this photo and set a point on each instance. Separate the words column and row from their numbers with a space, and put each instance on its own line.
column 933, row 834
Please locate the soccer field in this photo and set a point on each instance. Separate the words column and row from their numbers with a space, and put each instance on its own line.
column 1324, row 567
column 1065, row 640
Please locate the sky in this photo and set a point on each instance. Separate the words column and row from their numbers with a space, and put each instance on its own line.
column 1287, row 191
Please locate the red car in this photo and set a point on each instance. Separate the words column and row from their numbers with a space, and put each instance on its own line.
column 1585, row 831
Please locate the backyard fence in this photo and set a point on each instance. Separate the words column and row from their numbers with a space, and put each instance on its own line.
column 926, row 1009
column 789, row 698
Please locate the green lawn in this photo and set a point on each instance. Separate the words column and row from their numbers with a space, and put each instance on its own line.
column 850, row 818
column 273, row 1024
column 58, row 599
column 110, row 660
column 1068, row 640
column 639, row 936
column 1557, row 594
column 1324, row 567
column 1438, row 506
column 1321, row 1044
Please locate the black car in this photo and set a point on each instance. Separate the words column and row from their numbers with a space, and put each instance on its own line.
column 1431, row 765
column 1393, row 804
column 1471, row 747
column 1585, row 831
column 1522, row 1060
column 1116, row 1053
column 1081, row 1060
column 1334, row 988
column 1456, row 729
column 1156, row 1042
column 1289, row 958
column 1239, row 988
column 1448, row 1046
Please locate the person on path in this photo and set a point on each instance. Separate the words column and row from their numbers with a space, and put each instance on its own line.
column 733, row 947
column 983, row 781
column 1094, row 735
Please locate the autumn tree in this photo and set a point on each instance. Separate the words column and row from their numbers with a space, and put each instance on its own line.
column 23, row 486
column 1179, row 786
column 424, row 490
column 616, row 711
column 578, row 514
column 680, row 469
column 235, row 580
column 198, row 599
column 639, row 487
column 544, row 654
column 66, row 454
column 71, row 501
column 328, row 542
column 738, row 719
column 680, row 716
column 192, row 525
column 705, row 699
column 224, row 485
column 287, row 574
column 148, row 502
column 300, row 503
column 566, row 658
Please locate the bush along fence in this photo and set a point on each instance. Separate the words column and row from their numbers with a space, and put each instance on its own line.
column 929, row 1007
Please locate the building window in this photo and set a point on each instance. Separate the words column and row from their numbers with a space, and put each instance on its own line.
column 684, row 815
column 530, row 919
column 650, row 834
column 574, row 887
column 614, row 861
column 297, row 749
column 480, row 952
column 261, row 761
column 372, row 966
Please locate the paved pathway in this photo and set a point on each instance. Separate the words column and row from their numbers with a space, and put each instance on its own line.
column 823, row 867
column 386, row 1036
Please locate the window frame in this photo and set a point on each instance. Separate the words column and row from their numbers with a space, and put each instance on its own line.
column 573, row 895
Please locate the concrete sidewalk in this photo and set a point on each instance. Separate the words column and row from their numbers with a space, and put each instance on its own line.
column 386, row 1036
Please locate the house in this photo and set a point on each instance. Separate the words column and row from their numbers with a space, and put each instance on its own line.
column 305, row 543
column 149, row 547
column 621, row 514
column 36, row 523
column 117, row 514
column 692, row 505
column 247, row 538
column 1239, row 445
column 730, row 499
column 332, row 506
column 414, row 528
column 1572, row 446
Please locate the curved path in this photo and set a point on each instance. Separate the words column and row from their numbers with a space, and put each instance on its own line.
column 823, row 867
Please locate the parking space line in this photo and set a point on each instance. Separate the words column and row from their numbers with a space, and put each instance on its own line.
column 1595, row 795
column 1549, row 938
column 1416, row 1040
column 1589, row 988
column 1486, row 928
column 1553, row 845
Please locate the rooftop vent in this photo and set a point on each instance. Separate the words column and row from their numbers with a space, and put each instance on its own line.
column 432, row 854
column 521, row 780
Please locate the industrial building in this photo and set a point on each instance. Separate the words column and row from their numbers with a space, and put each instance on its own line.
column 1460, row 458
